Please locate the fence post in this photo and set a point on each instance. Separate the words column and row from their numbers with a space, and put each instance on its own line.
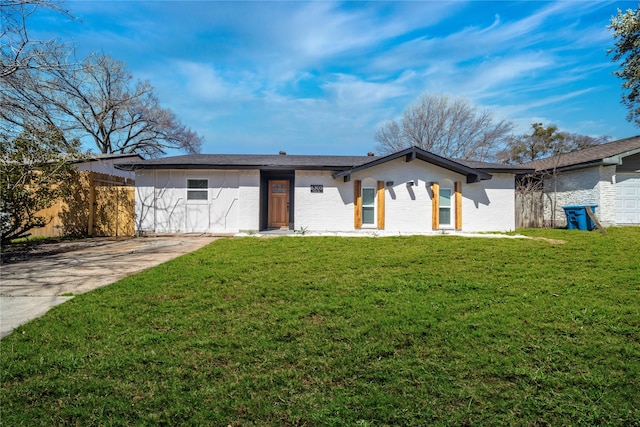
column 92, row 203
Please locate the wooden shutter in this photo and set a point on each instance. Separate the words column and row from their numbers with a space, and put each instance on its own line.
column 458, row 204
column 380, row 201
column 357, row 203
column 435, row 206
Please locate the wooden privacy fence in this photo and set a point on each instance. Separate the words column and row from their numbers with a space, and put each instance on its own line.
column 99, row 205
column 530, row 210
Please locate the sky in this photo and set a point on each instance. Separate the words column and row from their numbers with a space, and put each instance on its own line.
column 319, row 77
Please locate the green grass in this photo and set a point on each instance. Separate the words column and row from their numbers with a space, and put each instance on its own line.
column 346, row 331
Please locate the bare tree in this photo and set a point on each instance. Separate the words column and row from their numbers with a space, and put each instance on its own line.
column 18, row 50
column 98, row 99
column 447, row 127
column 23, row 61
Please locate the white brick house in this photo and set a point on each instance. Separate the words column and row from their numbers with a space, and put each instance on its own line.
column 606, row 175
column 410, row 191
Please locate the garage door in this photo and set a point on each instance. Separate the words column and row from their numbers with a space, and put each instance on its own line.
column 628, row 198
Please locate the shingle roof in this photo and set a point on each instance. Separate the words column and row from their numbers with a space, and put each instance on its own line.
column 249, row 161
column 495, row 167
column 599, row 154
column 92, row 157
column 338, row 164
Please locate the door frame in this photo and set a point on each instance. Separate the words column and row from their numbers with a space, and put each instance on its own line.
column 265, row 177
column 278, row 217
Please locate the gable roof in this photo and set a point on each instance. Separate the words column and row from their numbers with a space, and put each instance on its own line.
column 610, row 153
column 413, row 153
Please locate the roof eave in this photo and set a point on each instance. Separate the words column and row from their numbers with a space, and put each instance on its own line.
column 515, row 171
column 139, row 166
column 585, row 165
column 617, row 159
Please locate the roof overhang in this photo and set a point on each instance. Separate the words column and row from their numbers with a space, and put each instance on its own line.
column 204, row 166
column 617, row 159
column 413, row 153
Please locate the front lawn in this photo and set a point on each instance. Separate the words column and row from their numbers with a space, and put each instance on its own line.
column 346, row 331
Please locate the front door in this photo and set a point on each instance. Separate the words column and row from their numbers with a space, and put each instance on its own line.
column 278, row 216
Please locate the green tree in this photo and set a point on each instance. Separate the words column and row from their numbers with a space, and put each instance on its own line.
column 34, row 174
column 626, row 32
column 544, row 141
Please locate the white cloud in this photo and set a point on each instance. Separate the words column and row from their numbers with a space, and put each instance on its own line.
column 351, row 90
column 326, row 73
column 204, row 83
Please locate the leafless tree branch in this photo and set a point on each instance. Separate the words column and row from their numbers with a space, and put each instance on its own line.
column 448, row 127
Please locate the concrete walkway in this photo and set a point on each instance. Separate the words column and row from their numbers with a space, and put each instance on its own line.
column 30, row 287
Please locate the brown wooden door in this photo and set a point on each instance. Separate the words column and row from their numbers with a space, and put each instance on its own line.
column 278, row 216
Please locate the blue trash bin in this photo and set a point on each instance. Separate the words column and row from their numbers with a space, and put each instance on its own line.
column 577, row 217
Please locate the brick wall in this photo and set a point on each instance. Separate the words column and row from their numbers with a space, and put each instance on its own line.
column 580, row 187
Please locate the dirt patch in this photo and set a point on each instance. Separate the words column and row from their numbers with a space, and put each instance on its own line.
column 544, row 239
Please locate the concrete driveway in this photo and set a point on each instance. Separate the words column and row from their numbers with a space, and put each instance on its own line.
column 30, row 287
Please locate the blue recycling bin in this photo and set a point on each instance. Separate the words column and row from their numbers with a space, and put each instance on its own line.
column 577, row 218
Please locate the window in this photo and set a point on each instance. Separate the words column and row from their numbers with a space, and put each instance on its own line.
column 368, row 206
column 279, row 188
column 445, row 206
column 197, row 189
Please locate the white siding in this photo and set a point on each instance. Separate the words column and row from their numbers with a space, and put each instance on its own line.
column 162, row 205
column 489, row 205
column 249, row 200
column 486, row 206
column 331, row 210
column 233, row 202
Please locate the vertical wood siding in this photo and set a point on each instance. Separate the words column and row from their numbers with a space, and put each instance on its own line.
column 357, row 204
column 458, row 204
column 435, row 206
column 380, row 196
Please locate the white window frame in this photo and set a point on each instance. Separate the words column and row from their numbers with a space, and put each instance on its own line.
column 374, row 224
column 450, row 208
column 193, row 190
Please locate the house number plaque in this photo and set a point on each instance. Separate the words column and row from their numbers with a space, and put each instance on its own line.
column 317, row 188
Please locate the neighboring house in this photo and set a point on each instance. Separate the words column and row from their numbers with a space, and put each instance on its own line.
column 606, row 175
column 410, row 191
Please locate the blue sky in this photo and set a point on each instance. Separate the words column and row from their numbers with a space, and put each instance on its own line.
column 320, row 77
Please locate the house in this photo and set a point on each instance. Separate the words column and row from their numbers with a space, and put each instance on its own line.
column 606, row 175
column 410, row 191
